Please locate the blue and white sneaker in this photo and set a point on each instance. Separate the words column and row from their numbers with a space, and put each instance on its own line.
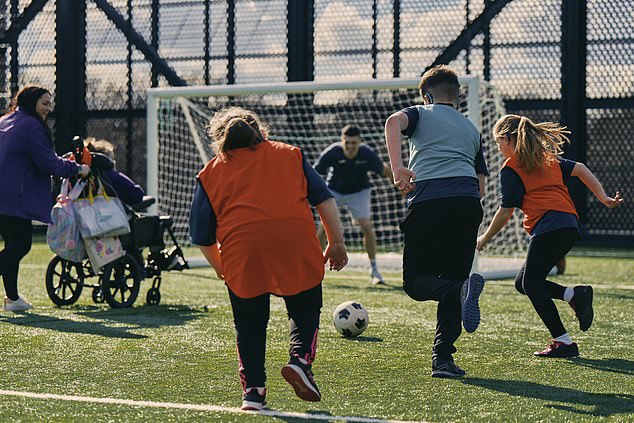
column 469, row 296
column 376, row 278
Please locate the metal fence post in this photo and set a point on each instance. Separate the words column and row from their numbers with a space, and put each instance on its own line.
column 70, row 72
column 301, row 51
column 573, row 90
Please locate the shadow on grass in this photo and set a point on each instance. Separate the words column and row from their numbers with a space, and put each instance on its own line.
column 70, row 326
column 614, row 365
column 320, row 416
column 617, row 296
column 362, row 339
column 567, row 399
column 367, row 287
column 146, row 316
column 385, row 285
column 201, row 275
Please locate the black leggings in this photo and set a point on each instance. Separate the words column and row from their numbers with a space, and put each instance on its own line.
column 251, row 317
column 17, row 234
column 544, row 251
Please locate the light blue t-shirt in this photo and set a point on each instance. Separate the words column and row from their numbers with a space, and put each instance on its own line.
column 444, row 144
column 465, row 185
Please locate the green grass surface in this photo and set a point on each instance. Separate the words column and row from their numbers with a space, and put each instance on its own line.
column 183, row 351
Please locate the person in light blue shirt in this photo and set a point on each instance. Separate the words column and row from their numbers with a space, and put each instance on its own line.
column 346, row 165
column 443, row 182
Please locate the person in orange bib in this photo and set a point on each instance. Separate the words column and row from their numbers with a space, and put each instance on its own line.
column 252, row 220
column 533, row 179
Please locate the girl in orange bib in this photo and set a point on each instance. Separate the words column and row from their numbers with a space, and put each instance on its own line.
column 252, row 220
column 533, row 179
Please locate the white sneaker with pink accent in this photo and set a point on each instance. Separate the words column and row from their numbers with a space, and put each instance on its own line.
column 20, row 304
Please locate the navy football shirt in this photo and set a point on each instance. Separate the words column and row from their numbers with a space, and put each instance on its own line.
column 345, row 175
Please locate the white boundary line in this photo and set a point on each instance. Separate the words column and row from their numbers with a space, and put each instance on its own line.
column 195, row 407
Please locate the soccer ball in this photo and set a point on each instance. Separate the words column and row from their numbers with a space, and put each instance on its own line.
column 350, row 319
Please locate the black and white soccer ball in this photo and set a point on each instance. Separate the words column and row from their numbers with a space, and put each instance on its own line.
column 350, row 319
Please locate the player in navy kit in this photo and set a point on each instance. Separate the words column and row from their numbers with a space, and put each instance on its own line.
column 346, row 165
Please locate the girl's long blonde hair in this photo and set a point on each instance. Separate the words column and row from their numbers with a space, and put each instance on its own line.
column 535, row 143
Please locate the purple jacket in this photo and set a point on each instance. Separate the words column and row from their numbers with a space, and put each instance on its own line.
column 27, row 161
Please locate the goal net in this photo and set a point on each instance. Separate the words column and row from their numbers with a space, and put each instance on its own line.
column 310, row 115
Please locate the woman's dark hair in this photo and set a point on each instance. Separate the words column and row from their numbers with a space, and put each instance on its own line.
column 26, row 99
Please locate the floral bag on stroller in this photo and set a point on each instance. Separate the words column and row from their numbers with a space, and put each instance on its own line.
column 62, row 234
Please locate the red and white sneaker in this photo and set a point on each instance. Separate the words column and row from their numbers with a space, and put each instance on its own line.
column 300, row 376
column 559, row 350
column 254, row 399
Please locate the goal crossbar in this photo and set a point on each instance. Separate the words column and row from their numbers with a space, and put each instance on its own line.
column 299, row 87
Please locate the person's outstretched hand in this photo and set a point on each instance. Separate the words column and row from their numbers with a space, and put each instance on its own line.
column 336, row 255
column 611, row 203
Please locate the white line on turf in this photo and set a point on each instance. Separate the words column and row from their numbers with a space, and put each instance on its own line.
column 195, row 407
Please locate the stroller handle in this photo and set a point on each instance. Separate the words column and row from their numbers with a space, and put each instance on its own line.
column 144, row 204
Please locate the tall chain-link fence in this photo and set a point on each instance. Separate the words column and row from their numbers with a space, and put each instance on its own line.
column 526, row 48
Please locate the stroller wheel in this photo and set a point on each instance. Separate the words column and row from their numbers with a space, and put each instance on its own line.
column 153, row 296
column 97, row 295
column 120, row 282
column 64, row 281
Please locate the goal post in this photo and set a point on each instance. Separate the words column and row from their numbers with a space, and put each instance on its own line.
column 310, row 115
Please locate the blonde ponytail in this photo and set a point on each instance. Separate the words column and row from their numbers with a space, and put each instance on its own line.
column 535, row 144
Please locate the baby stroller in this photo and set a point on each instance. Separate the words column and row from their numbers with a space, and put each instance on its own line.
column 118, row 282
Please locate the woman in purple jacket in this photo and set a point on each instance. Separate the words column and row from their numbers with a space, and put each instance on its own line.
column 27, row 161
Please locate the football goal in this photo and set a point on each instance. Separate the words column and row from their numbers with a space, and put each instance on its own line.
column 310, row 115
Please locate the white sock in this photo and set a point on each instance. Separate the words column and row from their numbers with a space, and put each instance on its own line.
column 565, row 338
column 261, row 390
column 568, row 294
